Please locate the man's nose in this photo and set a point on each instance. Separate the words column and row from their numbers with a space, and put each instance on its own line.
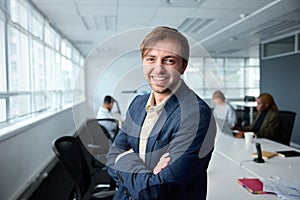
column 159, row 66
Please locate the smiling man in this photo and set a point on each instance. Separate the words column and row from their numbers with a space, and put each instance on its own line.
column 165, row 145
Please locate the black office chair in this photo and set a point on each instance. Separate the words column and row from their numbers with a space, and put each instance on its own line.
column 249, row 98
column 286, row 126
column 98, row 144
column 70, row 154
column 243, row 118
column 115, row 124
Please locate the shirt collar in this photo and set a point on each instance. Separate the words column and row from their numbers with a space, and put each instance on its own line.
column 150, row 102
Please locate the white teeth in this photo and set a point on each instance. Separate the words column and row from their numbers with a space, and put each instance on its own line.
column 159, row 78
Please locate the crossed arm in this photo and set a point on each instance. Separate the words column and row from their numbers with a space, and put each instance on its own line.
column 130, row 171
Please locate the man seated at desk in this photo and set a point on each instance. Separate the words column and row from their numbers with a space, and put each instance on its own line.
column 267, row 119
column 106, row 117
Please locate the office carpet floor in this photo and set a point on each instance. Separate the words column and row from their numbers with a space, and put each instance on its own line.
column 56, row 186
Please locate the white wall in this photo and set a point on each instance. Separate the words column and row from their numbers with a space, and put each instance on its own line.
column 113, row 76
column 25, row 153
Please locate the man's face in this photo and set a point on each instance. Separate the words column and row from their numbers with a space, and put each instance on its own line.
column 109, row 106
column 163, row 66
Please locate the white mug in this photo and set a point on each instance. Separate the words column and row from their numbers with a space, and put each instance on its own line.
column 249, row 137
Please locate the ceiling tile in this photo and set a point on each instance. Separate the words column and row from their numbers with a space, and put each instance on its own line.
column 140, row 2
column 210, row 13
column 174, row 12
column 137, row 11
column 99, row 10
column 168, row 21
column 66, row 20
column 58, row 9
column 36, row 2
column 137, row 21
column 102, row 2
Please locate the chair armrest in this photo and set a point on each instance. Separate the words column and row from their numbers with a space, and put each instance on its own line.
column 93, row 146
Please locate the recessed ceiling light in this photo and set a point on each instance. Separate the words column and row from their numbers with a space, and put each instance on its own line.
column 243, row 15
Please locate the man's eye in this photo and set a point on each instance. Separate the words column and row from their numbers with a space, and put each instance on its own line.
column 149, row 59
column 169, row 61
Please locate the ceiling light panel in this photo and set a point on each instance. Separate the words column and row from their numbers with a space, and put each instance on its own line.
column 277, row 28
column 195, row 25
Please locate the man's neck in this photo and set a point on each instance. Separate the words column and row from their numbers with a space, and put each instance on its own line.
column 158, row 98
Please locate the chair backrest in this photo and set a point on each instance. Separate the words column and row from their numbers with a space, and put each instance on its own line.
column 249, row 98
column 286, row 126
column 114, row 123
column 100, row 139
column 243, row 118
column 68, row 151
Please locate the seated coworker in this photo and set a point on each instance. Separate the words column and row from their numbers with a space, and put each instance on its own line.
column 223, row 109
column 267, row 120
column 104, row 112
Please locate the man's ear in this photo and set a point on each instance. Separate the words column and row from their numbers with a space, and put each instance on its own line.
column 184, row 66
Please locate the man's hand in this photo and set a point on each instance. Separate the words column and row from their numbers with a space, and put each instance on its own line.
column 163, row 162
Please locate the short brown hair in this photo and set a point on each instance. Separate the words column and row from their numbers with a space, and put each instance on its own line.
column 162, row 33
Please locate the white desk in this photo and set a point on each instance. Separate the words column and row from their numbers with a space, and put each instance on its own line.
column 222, row 181
column 231, row 160
column 251, row 105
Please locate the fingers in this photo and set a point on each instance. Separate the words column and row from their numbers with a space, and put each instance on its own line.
column 165, row 155
column 163, row 163
column 156, row 170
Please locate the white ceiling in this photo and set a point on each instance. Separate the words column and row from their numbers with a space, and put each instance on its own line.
column 231, row 28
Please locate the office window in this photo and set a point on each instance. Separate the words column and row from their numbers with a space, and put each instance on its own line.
column 67, row 79
column 299, row 42
column 278, row 47
column 75, row 55
column 57, row 41
column 37, row 23
column 214, row 65
column 194, row 78
column 18, row 68
column 2, row 58
column 3, row 112
column 3, row 79
column 252, row 77
column 40, row 72
column 236, row 76
column 78, row 94
column 58, row 84
column 39, row 102
column 19, row 12
column 63, row 47
column 38, row 67
column 20, row 106
column 49, row 36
